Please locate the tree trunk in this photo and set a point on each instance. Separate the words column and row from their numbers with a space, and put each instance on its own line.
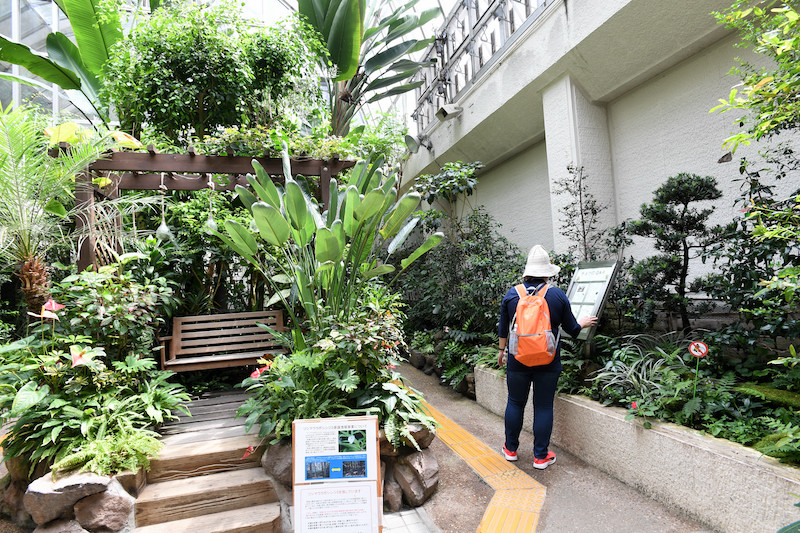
column 35, row 283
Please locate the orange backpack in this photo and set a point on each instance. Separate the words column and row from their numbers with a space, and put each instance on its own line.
column 531, row 339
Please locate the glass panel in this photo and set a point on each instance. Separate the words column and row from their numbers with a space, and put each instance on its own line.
column 5, row 92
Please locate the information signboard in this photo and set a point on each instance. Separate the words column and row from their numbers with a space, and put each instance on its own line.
column 589, row 289
column 337, row 475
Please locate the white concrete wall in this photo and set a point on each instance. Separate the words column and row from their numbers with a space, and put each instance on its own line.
column 517, row 194
column 664, row 127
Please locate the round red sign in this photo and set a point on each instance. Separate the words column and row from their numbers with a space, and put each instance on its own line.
column 698, row 349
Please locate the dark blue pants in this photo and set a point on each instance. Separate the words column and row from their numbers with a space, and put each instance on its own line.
column 544, row 392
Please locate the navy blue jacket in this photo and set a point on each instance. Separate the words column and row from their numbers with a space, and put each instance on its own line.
column 560, row 316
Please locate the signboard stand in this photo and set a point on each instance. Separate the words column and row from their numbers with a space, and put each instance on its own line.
column 589, row 290
column 337, row 475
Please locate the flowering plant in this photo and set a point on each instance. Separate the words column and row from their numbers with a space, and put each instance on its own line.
column 72, row 406
column 349, row 370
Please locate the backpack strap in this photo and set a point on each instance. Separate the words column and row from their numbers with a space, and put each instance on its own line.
column 542, row 290
column 522, row 291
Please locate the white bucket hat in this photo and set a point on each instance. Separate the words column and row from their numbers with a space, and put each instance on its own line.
column 539, row 265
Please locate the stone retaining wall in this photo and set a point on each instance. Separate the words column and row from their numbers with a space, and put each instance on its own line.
column 727, row 486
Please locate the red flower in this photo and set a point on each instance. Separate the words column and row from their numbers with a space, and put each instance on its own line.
column 258, row 371
column 633, row 405
column 248, row 451
column 80, row 356
column 52, row 305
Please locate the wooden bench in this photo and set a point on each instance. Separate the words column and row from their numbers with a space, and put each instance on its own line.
column 220, row 341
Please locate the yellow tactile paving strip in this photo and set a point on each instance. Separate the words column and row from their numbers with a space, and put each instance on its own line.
column 518, row 498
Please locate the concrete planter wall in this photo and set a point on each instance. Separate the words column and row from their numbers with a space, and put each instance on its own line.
column 722, row 484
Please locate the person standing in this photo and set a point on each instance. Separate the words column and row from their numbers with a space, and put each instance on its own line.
column 519, row 377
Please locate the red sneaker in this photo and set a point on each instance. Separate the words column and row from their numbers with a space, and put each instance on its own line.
column 541, row 464
column 510, row 456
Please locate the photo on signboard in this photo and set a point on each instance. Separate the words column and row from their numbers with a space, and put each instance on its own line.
column 318, row 470
column 352, row 440
column 354, row 468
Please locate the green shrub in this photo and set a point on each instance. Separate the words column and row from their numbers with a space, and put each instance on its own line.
column 461, row 284
column 61, row 395
column 348, row 370
column 116, row 312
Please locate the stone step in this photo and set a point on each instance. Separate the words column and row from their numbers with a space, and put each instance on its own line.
column 255, row 519
column 193, row 497
column 179, row 461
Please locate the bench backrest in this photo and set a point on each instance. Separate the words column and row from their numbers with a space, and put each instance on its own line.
column 225, row 334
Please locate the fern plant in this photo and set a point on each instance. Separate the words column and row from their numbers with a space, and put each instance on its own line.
column 113, row 454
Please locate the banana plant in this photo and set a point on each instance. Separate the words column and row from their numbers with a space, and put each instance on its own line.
column 75, row 67
column 372, row 63
column 328, row 257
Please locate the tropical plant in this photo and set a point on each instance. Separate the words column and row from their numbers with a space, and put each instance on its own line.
column 460, row 284
column 362, row 41
column 324, row 260
column 36, row 190
column 182, row 70
column 78, row 68
column 456, row 181
column 191, row 68
column 119, row 314
column 680, row 233
column 348, row 371
column 743, row 263
column 61, row 394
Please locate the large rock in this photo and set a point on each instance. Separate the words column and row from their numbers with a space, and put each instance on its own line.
column 418, row 476
column 277, row 462
column 12, row 504
column 422, row 435
column 47, row 500
column 392, row 496
column 416, row 358
column 111, row 510
column 61, row 526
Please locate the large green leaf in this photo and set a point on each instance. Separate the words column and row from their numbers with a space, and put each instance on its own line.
column 333, row 202
column 338, row 231
column 351, row 202
column 64, row 53
column 380, row 83
column 19, row 54
column 242, row 237
column 370, row 205
column 388, row 56
column 402, row 210
column 244, row 194
column 95, row 29
column 407, row 64
column 267, row 186
column 271, row 225
column 378, row 271
column 327, row 246
column 397, row 90
column 341, row 24
column 296, row 207
column 28, row 396
column 429, row 243
column 409, row 23
column 402, row 235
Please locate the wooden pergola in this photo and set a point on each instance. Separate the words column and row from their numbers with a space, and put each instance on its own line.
column 148, row 171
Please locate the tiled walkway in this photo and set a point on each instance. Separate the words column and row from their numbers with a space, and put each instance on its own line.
column 518, row 499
